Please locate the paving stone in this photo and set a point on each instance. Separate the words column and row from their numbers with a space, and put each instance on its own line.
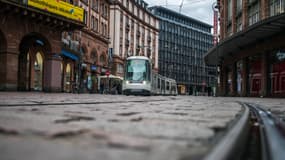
column 48, row 126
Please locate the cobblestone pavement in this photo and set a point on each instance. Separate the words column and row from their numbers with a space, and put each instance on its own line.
column 61, row 126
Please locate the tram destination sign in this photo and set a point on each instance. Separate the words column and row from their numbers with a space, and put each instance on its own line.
column 59, row 7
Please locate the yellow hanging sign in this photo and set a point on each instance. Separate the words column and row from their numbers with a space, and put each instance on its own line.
column 60, row 8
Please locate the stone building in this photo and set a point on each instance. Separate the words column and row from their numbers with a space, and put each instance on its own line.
column 250, row 56
column 30, row 43
column 183, row 42
column 85, row 51
column 133, row 31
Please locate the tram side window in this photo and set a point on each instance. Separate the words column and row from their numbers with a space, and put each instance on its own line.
column 167, row 85
column 158, row 82
column 163, row 85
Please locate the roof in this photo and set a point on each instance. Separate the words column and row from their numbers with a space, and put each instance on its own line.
column 138, row 57
column 180, row 15
column 255, row 33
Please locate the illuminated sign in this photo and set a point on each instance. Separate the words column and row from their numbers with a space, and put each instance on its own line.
column 59, row 7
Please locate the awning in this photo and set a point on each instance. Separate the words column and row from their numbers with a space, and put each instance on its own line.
column 258, row 32
column 69, row 55
column 111, row 76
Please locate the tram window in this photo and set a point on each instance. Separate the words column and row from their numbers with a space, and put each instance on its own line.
column 167, row 85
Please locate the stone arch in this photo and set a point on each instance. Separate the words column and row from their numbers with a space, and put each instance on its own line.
column 33, row 49
column 103, row 60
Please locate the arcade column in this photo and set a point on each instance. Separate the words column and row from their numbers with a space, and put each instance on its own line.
column 52, row 71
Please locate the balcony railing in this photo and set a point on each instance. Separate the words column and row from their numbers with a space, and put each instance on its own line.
column 72, row 45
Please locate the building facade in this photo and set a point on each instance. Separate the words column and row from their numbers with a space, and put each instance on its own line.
column 250, row 56
column 133, row 31
column 30, row 43
column 85, row 51
column 183, row 42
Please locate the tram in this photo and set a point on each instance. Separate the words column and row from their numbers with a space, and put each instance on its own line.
column 140, row 80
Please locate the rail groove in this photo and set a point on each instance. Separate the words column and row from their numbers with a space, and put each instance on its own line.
column 257, row 125
column 73, row 103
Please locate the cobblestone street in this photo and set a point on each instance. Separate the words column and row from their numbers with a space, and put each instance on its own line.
column 106, row 127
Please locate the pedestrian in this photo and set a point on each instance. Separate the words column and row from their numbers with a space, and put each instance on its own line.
column 114, row 89
column 101, row 87
column 119, row 91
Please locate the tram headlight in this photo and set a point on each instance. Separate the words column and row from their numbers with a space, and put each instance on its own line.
column 127, row 82
column 144, row 82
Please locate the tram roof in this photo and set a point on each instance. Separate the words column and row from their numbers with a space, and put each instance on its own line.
column 138, row 57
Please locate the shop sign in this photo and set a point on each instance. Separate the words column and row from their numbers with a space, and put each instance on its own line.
column 107, row 73
column 60, row 8
column 84, row 65
column 93, row 68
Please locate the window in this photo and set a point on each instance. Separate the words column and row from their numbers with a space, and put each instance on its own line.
column 127, row 4
column 92, row 23
column 105, row 11
column 276, row 7
column 85, row 16
column 253, row 13
column 120, row 68
column 95, row 4
column 239, row 6
column 229, row 10
column 96, row 25
column 105, row 26
column 102, row 28
column 239, row 23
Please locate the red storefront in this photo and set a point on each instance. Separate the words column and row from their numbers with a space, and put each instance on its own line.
column 252, row 62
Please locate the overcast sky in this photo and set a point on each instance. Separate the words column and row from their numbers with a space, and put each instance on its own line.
column 197, row 9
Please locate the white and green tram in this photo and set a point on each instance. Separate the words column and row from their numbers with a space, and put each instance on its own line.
column 140, row 80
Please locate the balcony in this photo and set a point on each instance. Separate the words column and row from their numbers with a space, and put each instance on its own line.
column 71, row 45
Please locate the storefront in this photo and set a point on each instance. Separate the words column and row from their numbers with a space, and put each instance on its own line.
column 30, row 46
column 250, row 63
column 277, row 73
column 69, row 71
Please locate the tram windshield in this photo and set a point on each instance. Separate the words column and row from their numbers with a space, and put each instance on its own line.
column 137, row 70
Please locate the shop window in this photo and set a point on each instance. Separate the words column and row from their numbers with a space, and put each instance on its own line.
column 277, row 73
column 28, row 69
column 67, row 78
column 239, row 77
column 254, row 75
column 38, row 72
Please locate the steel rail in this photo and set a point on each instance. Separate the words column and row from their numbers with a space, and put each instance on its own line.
column 231, row 144
column 272, row 140
column 40, row 103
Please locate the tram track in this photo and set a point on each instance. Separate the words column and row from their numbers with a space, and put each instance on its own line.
column 257, row 135
column 40, row 103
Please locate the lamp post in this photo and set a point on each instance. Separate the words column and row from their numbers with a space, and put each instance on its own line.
column 216, row 7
